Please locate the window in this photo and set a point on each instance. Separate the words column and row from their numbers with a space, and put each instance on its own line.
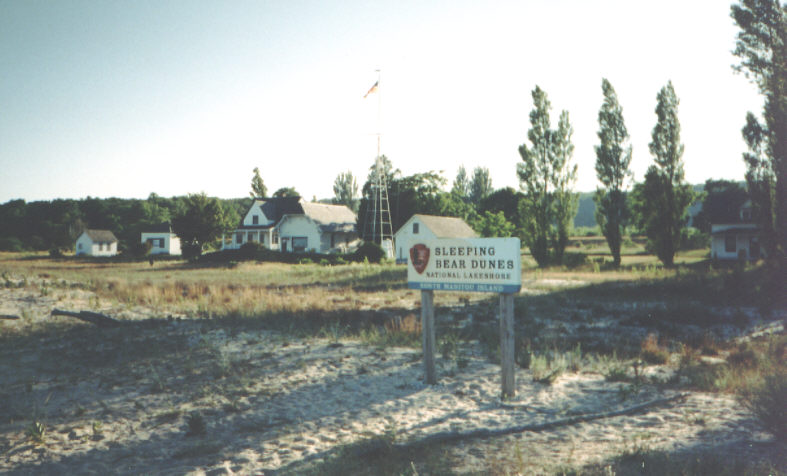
column 255, row 220
column 415, row 228
column 275, row 238
column 299, row 243
column 161, row 242
column 239, row 237
column 729, row 243
column 79, row 246
column 333, row 240
column 252, row 236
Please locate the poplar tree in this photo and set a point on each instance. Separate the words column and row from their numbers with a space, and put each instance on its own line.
column 345, row 189
column 761, row 45
column 480, row 185
column 566, row 201
column 661, row 203
column 613, row 157
column 546, row 177
column 258, row 188
column 461, row 186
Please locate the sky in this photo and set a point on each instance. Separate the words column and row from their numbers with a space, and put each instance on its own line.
column 123, row 99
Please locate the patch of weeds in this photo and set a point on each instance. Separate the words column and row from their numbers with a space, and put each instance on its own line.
column 616, row 372
column 706, row 377
column 37, row 432
column 545, row 370
column 523, row 355
column 169, row 416
column 195, row 423
column 767, row 402
column 652, row 352
column 449, row 345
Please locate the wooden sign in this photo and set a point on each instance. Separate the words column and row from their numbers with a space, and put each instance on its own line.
column 475, row 265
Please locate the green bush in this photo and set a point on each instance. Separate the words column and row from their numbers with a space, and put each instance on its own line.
column 767, row 402
column 369, row 251
column 693, row 239
column 11, row 243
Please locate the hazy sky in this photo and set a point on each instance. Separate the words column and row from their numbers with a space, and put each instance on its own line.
column 122, row 99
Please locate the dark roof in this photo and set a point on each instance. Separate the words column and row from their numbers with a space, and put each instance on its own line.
column 101, row 236
column 273, row 208
column 160, row 228
column 737, row 229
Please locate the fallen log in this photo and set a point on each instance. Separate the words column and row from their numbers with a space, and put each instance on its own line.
column 444, row 437
column 9, row 317
column 101, row 320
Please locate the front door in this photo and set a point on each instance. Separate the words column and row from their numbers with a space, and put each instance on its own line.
column 754, row 249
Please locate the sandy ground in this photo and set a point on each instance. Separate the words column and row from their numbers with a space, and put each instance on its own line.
column 170, row 396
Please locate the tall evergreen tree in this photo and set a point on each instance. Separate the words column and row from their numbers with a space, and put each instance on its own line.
column 480, row 185
column 345, row 189
column 258, row 188
column 762, row 47
column 613, row 157
column 546, row 177
column 661, row 203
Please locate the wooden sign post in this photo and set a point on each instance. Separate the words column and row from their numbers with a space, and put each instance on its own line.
column 476, row 265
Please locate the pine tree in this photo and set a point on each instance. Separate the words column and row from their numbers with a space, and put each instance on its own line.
column 613, row 157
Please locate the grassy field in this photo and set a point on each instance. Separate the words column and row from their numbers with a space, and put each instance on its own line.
column 694, row 319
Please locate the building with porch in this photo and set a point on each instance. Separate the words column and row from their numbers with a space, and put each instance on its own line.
column 291, row 224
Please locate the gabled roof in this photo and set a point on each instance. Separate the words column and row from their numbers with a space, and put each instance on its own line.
column 445, row 227
column 273, row 208
column 101, row 236
column 330, row 218
column 165, row 227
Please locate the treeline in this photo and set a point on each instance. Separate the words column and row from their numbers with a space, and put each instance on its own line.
column 48, row 225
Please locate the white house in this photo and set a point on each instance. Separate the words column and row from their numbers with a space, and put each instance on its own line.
column 737, row 241
column 97, row 243
column 162, row 240
column 427, row 227
column 291, row 224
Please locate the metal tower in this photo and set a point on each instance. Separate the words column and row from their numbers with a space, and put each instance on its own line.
column 379, row 227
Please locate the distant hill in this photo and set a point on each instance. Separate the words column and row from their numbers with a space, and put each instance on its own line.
column 586, row 213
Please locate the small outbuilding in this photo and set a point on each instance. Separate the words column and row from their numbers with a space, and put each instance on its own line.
column 162, row 240
column 427, row 227
column 737, row 240
column 96, row 243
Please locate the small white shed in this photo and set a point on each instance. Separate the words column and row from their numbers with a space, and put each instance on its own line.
column 96, row 243
column 162, row 240
column 427, row 227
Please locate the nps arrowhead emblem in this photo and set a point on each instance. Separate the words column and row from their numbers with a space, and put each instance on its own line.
column 419, row 256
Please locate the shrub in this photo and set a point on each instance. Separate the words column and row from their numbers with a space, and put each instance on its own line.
column 653, row 353
column 369, row 251
column 11, row 244
column 693, row 239
column 767, row 402
column 251, row 250
column 55, row 253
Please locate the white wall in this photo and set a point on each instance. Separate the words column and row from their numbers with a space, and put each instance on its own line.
column 89, row 248
column 405, row 236
column 300, row 226
column 248, row 220
column 171, row 243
